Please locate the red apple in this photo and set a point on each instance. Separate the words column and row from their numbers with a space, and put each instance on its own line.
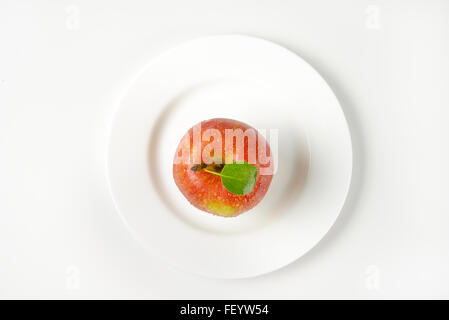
column 202, row 154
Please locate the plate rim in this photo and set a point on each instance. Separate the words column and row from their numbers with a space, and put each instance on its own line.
column 133, row 82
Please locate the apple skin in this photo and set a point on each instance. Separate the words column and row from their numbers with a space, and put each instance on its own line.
column 205, row 191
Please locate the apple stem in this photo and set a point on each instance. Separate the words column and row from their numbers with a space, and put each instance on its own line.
column 222, row 175
column 213, row 172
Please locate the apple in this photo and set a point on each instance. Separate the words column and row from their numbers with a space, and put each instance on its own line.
column 223, row 166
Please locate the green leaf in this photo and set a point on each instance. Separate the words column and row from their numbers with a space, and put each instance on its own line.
column 239, row 178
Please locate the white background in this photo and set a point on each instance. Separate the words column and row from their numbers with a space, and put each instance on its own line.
column 65, row 64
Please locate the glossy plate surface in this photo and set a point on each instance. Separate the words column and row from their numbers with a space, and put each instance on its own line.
column 254, row 81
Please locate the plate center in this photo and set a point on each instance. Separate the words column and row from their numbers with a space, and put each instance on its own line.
column 244, row 99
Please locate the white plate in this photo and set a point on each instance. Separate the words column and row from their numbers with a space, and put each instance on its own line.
column 254, row 81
